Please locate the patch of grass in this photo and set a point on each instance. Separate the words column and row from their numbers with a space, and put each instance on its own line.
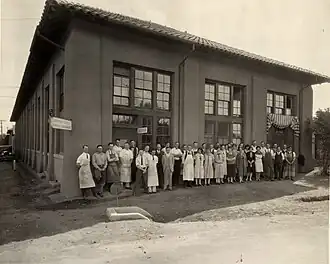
column 314, row 198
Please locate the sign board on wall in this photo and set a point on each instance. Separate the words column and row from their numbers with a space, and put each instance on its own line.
column 60, row 123
column 142, row 130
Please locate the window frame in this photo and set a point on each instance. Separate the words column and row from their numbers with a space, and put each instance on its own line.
column 272, row 109
column 215, row 134
column 131, row 70
column 162, row 135
column 230, row 102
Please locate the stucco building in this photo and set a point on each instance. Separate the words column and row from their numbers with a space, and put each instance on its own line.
column 111, row 74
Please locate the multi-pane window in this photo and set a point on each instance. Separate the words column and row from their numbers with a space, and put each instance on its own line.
column 237, row 133
column 269, row 102
column 38, row 123
column 226, row 99
column 209, row 99
column 237, row 101
column 60, row 84
column 223, row 133
column 163, row 131
column 223, row 100
column 46, row 117
column 147, row 137
column 120, row 90
column 143, row 89
column 209, row 131
column 163, row 91
column 123, row 119
column 280, row 104
column 137, row 88
column 59, row 148
column 288, row 105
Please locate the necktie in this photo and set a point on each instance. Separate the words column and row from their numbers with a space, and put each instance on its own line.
column 87, row 155
column 141, row 160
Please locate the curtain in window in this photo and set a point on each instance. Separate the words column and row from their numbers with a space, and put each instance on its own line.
column 282, row 122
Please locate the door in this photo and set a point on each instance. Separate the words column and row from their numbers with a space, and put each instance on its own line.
column 280, row 136
column 124, row 134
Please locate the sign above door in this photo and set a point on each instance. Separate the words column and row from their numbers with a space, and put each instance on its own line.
column 142, row 130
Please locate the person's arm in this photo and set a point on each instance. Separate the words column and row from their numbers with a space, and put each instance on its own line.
column 94, row 162
column 272, row 152
column 138, row 162
column 172, row 163
column 78, row 162
column 293, row 158
column 105, row 163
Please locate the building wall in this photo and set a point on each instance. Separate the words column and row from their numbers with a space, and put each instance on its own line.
column 90, row 51
column 30, row 145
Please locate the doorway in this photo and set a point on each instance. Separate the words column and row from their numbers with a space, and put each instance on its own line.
column 125, row 129
column 280, row 136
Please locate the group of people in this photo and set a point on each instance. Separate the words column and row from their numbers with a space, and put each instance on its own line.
column 164, row 166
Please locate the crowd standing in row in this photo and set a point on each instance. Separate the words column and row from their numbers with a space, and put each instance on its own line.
column 198, row 165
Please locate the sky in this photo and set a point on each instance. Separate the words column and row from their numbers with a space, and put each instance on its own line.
column 293, row 31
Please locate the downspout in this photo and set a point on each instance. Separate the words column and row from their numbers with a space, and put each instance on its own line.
column 181, row 90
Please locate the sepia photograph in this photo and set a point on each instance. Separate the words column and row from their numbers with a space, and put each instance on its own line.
column 164, row 131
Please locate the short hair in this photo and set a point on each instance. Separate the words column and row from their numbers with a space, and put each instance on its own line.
column 195, row 142
column 168, row 148
column 99, row 146
column 117, row 139
column 258, row 147
column 85, row 145
column 110, row 143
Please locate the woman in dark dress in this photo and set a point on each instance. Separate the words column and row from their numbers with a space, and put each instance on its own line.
column 159, row 154
column 135, row 151
column 250, row 157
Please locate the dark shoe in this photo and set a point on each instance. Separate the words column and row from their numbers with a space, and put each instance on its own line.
column 100, row 194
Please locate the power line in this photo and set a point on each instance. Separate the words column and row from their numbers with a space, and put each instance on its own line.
column 7, row 96
column 8, row 87
column 18, row 18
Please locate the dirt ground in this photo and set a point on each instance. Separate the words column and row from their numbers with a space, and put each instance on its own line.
column 22, row 219
column 271, row 239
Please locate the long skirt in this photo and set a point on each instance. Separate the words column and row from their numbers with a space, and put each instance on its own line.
column 290, row 170
column 176, row 172
column 231, row 170
column 219, row 171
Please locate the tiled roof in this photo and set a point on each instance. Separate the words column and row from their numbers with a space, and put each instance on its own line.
column 57, row 15
column 174, row 34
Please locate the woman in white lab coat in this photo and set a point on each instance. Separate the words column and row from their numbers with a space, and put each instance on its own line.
column 152, row 172
column 86, row 181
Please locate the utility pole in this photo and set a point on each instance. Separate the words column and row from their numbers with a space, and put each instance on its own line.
column 1, row 127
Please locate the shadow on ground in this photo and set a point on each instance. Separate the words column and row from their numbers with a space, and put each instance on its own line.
column 22, row 220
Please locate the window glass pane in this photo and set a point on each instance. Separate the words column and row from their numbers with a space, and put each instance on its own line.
column 123, row 119
column 147, row 138
column 163, row 95
column 121, row 90
column 223, row 130
column 269, row 110
column 163, row 131
column 143, row 89
column 209, row 127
